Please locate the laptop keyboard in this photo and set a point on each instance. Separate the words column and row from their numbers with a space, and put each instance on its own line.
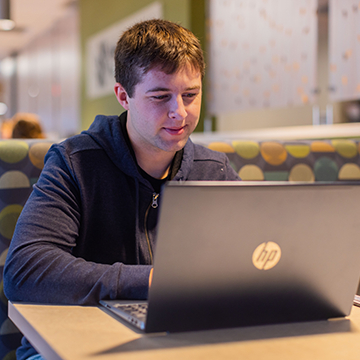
column 137, row 310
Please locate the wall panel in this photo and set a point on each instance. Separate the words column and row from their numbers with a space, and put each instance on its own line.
column 48, row 77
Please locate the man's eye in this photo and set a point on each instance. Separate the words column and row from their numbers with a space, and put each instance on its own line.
column 190, row 95
column 160, row 97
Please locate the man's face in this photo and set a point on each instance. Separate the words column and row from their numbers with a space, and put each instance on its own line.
column 164, row 109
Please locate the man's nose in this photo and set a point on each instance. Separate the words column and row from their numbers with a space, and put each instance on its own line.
column 177, row 109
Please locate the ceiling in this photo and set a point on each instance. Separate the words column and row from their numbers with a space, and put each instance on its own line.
column 32, row 17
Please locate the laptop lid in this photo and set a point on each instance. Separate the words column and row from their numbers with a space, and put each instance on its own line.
column 238, row 254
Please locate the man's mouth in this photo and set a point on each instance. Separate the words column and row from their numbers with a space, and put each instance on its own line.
column 175, row 130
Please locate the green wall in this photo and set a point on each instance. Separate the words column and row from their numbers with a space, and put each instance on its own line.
column 97, row 15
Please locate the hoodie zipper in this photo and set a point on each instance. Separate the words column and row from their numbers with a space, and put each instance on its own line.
column 154, row 204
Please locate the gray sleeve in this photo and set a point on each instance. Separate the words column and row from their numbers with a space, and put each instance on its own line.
column 40, row 266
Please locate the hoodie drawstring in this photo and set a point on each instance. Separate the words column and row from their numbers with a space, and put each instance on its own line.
column 154, row 204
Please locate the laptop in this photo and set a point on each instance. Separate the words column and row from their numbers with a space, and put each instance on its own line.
column 231, row 254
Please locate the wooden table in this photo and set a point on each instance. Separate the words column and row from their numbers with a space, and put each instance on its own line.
column 75, row 332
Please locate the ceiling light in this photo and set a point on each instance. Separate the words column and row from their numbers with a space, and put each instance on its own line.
column 5, row 22
column 7, row 66
column 3, row 108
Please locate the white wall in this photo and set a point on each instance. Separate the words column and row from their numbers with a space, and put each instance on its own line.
column 48, row 73
column 289, row 116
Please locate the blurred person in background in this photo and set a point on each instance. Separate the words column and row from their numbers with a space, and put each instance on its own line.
column 26, row 126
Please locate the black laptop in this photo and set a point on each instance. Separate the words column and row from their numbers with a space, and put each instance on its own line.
column 232, row 254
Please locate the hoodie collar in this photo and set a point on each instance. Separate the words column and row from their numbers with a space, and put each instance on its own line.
column 107, row 132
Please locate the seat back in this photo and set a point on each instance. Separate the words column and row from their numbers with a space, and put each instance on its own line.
column 21, row 162
column 291, row 160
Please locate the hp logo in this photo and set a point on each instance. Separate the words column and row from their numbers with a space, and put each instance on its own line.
column 266, row 255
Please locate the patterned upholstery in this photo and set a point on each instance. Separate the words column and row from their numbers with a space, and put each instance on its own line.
column 21, row 162
column 300, row 160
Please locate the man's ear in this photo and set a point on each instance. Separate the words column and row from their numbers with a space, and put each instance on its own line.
column 121, row 95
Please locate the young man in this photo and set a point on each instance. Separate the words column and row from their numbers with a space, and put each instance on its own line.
column 87, row 231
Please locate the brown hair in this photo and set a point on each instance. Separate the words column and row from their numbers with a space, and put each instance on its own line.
column 155, row 44
column 26, row 126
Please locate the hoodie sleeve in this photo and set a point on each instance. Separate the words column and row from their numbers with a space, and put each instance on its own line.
column 201, row 163
column 40, row 266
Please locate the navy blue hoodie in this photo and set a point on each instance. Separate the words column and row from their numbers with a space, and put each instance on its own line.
column 81, row 236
